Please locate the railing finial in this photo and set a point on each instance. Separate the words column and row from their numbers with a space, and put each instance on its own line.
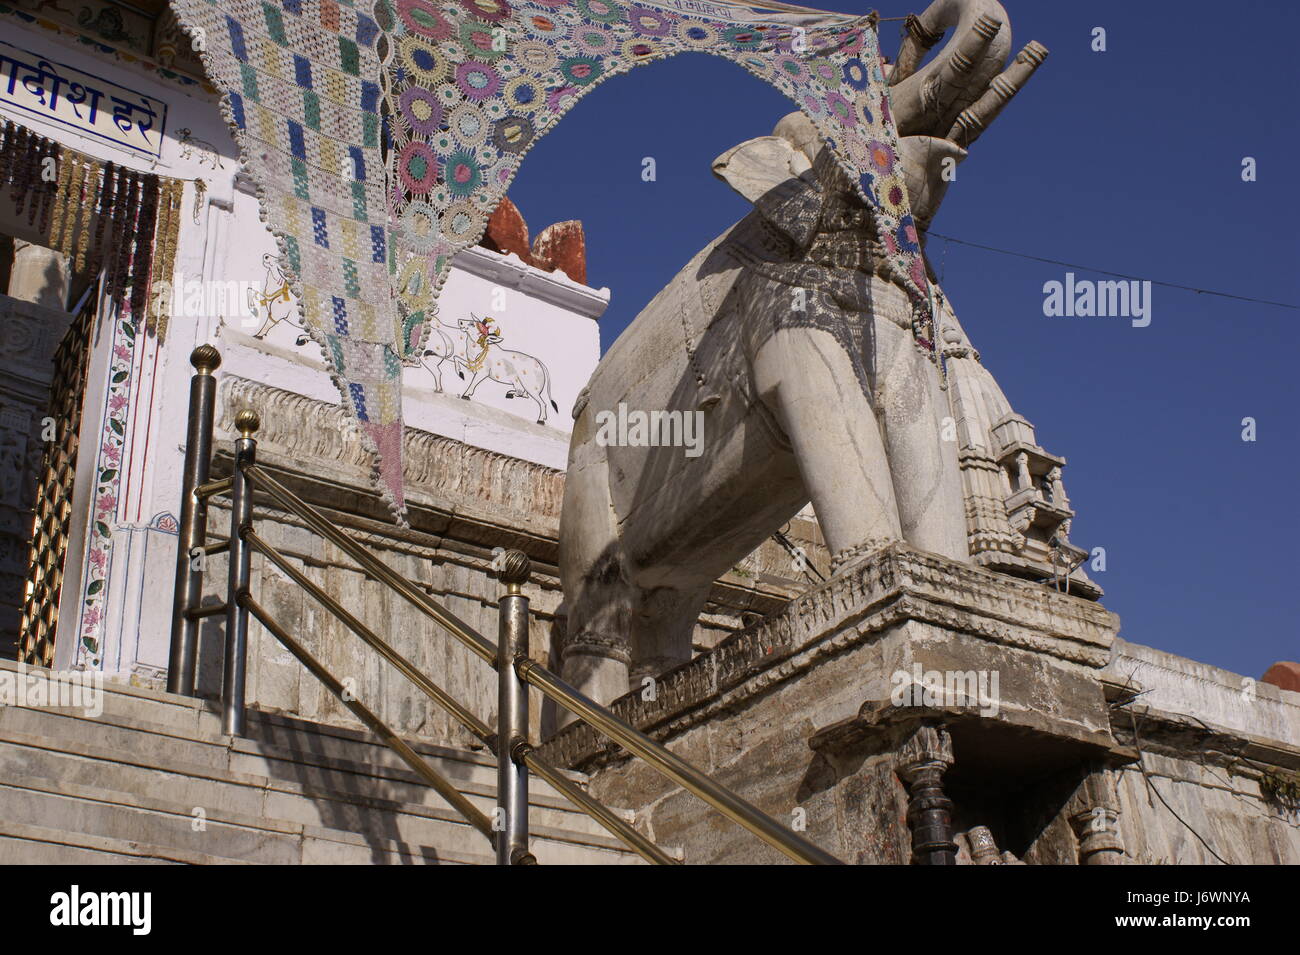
column 188, row 593
column 515, row 568
column 247, row 423
column 205, row 359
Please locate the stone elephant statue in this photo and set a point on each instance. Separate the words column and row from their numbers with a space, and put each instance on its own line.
column 786, row 348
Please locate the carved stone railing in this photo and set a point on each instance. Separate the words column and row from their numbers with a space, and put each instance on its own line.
column 893, row 587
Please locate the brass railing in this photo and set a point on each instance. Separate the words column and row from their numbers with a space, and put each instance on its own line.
column 516, row 757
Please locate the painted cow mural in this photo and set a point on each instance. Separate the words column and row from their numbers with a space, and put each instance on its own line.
column 473, row 345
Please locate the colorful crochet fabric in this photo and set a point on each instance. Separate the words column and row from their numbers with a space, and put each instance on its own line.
column 383, row 135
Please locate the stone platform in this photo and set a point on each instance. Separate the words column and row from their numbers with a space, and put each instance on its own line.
column 821, row 714
column 1036, row 736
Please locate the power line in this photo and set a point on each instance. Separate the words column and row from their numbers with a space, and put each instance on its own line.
column 1151, row 787
column 1121, row 275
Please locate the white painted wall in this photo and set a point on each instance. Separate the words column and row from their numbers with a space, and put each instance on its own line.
column 223, row 240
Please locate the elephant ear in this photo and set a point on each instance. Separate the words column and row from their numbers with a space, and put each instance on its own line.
column 779, row 180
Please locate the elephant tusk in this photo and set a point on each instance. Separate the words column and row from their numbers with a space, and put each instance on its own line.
column 976, row 118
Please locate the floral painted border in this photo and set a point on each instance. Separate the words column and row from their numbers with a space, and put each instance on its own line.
column 108, row 471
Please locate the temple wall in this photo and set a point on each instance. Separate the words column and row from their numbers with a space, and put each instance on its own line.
column 1218, row 803
column 1208, row 739
column 114, row 612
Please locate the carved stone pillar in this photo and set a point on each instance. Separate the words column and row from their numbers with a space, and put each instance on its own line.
column 1023, row 478
column 1056, row 488
column 1098, row 832
column 1094, row 816
column 40, row 276
column 922, row 761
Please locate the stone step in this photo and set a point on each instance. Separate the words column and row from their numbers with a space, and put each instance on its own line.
column 198, row 720
column 336, row 796
column 189, row 730
column 123, row 787
column 36, row 801
column 137, row 752
column 293, row 830
column 39, row 845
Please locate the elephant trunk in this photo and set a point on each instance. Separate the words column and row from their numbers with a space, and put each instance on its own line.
column 928, row 162
column 976, row 118
column 917, row 41
column 929, row 100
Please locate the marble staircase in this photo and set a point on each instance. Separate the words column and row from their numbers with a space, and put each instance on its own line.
column 153, row 780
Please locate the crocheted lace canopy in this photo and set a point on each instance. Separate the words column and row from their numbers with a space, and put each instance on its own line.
column 381, row 137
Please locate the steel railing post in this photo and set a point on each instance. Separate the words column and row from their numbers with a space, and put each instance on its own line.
column 240, row 558
column 194, row 522
column 512, row 715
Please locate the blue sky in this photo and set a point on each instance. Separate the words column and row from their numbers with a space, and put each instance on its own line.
column 1128, row 160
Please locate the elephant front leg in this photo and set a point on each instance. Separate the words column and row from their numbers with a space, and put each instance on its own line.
column 808, row 380
column 598, row 592
column 921, row 440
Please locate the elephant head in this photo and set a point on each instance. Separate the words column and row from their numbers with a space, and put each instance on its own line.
column 939, row 110
column 776, row 173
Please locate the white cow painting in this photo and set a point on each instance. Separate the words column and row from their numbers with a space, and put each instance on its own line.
column 274, row 303
column 473, row 345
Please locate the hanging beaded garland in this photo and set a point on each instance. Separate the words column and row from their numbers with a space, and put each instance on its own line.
column 100, row 215
column 169, row 211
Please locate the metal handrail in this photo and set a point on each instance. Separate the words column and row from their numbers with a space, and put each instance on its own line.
column 659, row 757
column 672, row 766
column 385, row 574
column 516, row 757
column 213, row 488
column 404, row 666
column 440, row 783
column 480, row 730
column 594, row 808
